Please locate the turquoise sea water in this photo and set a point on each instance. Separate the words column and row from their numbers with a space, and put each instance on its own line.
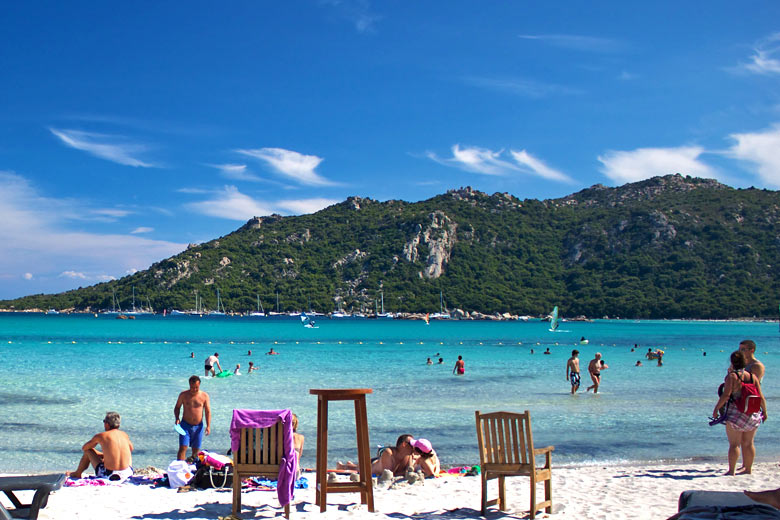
column 62, row 373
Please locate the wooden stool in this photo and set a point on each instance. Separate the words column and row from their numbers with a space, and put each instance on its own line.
column 365, row 484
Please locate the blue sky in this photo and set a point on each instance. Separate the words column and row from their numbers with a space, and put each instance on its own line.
column 128, row 130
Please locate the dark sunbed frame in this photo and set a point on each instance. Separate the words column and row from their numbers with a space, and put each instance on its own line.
column 41, row 484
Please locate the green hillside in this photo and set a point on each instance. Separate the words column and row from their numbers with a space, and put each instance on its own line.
column 668, row 247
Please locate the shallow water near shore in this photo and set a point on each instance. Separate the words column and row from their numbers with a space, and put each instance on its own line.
column 64, row 371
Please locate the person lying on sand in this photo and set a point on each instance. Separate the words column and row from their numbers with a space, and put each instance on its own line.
column 396, row 459
column 114, row 462
column 425, row 458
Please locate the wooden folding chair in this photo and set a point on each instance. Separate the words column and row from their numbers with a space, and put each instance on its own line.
column 506, row 449
column 259, row 455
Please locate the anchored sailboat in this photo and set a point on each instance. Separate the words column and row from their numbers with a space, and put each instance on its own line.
column 220, row 311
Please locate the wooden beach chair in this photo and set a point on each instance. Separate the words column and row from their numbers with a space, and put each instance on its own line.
column 259, row 455
column 506, row 449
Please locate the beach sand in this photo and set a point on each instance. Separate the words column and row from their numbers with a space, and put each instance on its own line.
column 587, row 492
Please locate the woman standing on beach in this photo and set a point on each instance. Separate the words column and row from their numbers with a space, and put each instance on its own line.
column 740, row 427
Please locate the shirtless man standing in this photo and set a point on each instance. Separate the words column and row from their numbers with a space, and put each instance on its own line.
column 211, row 362
column 573, row 371
column 594, row 368
column 195, row 404
column 114, row 462
column 752, row 365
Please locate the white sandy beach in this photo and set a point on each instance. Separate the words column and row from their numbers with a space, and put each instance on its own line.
column 589, row 492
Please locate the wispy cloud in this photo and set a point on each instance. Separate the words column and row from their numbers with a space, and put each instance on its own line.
column 538, row 167
column 304, row 206
column 229, row 203
column 476, row 160
column 142, row 229
column 37, row 239
column 110, row 147
column 644, row 163
column 293, row 165
column 765, row 59
column 488, row 162
column 236, row 172
column 760, row 149
column 73, row 275
column 578, row 42
column 520, row 87
column 358, row 12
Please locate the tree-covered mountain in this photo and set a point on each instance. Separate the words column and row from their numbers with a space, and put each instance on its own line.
column 667, row 247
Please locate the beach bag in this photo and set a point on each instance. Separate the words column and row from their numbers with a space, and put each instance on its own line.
column 215, row 460
column 180, row 473
column 749, row 401
column 209, row 477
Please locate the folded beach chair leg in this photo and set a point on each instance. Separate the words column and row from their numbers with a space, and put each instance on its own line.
column 533, row 497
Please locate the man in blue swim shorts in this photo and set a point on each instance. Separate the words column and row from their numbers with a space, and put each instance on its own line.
column 196, row 404
column 573, row 371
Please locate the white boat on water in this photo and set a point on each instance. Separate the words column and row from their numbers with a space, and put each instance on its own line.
column 441, row 315
column 135, row 311
column 260, row 312
column 220, row 311
column 175, row 312
column 52, row 311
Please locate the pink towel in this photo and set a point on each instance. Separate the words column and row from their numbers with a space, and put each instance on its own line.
column 263, row 419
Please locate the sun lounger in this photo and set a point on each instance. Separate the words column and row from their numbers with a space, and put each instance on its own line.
column 721, row 505
column 41, row 484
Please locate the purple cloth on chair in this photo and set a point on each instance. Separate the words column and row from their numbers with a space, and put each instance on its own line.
column 263, row 419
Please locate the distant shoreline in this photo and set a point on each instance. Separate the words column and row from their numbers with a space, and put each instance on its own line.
column 411, row 316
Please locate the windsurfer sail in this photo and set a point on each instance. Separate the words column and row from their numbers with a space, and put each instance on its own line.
column 307, row 321
column 554, row 319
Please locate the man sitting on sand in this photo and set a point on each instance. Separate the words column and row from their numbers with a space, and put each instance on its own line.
column 196, row 404
column 114, row 462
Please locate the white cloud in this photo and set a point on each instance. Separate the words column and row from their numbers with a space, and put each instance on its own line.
column 476, row 160
column 293, row 165
column 142, row 229
column 766, row 57
column 112, row 148
column 578, row 42
column 304, row 206
column 73, row 274
column 27, row 276
column 762, row 150
column 520, row 87
column 488, row 162
column 538, row 167
column 644, row 163
column 231, row 204
column 36, row 238
column 236, row 172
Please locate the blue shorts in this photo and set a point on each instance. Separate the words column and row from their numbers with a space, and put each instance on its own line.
column 193, row 434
